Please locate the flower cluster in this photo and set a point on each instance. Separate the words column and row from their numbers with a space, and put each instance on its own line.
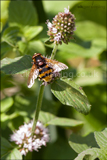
column 62, row 27
column 23, row 139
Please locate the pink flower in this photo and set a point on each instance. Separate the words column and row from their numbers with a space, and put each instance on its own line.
column 23, row 139
column 62, row 27
column 66, row 10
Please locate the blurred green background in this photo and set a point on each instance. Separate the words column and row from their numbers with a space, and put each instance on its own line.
column 23, row 32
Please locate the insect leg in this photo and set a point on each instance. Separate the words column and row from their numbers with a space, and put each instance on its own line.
column 44, row 83
column 55, row 74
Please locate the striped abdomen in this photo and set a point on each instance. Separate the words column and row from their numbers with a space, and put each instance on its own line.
column 45, row 73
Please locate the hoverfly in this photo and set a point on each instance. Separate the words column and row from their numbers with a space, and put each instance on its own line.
column 44, row 68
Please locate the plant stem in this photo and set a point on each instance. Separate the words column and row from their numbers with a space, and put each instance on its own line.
column 54, row 51
column 38, row 107
column 23, row 157
column 40, row 97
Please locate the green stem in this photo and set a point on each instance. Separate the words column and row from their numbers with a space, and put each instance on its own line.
column 54, row 51
column 40, row 97
column 23, row 157
column 38, row 107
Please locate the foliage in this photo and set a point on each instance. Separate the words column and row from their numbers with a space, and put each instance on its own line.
column 22, row 35
column 87, row 147
column 8, row 151
column 71, row 94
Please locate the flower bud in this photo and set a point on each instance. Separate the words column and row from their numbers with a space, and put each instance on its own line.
column 62, row 27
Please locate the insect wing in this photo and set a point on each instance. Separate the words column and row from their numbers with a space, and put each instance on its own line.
column 57, row 66
column 32, row 76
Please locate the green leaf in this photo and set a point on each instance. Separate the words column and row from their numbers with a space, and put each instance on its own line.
column 8, row 152
column 6, row 103
column 50, row 119
column 70, row 94
column 5, row 117
column 31, row 32
column 81, row 48
column 91, row 154
column 66, row 122
column 10, row 35
column 5, row 48
column 35, row 46
column 22, row 47
column 31, row 47
column 22, row 13
column 17, row 65
column 85, row 146
column 45, row 117
column 101, row 138
column 80, row 144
